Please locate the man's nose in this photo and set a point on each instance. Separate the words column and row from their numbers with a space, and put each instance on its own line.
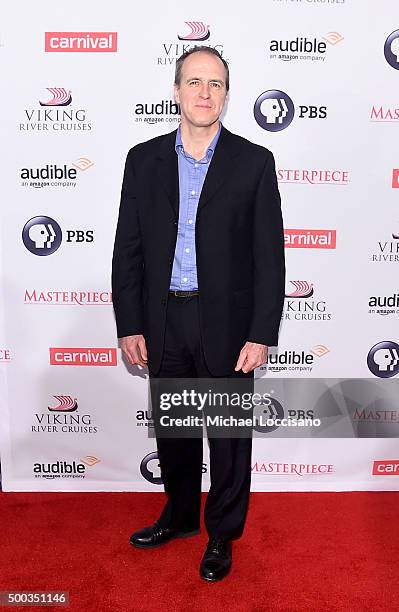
column 205, row 91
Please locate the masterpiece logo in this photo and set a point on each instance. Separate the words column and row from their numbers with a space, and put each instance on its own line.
column 386, row 467
column 63, row 417
column 375, row 416
column 53, row 116
column 83, row 356
column 384, row 304
column 292, row 469
column 65, row 469
column 192, row 34
column 300, row 304
column 5, row 355
column 303, row 48
column 313, row 177
column 274, row 110
column 387, row 250
column 81, row 42
column 384, row 114
column 165, row 111
column 310, row 239
column 42, row 235
column 301, row 361
column 70, row 298
column 53, row 175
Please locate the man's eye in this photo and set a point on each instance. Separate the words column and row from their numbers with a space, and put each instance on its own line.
column 193, row 83
column 216, row 85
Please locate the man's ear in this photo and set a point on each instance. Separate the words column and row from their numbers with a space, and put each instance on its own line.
column 176, row 93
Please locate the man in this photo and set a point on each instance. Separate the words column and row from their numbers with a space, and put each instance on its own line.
column 198, row 289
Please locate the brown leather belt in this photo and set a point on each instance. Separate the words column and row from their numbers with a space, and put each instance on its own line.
column 184, row 294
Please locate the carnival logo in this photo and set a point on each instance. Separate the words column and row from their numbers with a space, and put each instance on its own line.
column 386, row 467
column 83, row 356
column 303, row 289
column 80, row 42
column 73, row 298
column 293, row 469
column 66, row 403
column 383, row 359
column 303, row 48
column 391, row 49
column 309, row 239
column 198, row 31
column 42, row 235
column 313, row 177
column 384, row 114
column 60, row 97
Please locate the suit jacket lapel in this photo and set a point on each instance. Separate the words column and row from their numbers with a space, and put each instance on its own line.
column 168, row 170
column 221, row 167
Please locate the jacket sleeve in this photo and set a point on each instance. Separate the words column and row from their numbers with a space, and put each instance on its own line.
column 127, row 261
column 269, row 261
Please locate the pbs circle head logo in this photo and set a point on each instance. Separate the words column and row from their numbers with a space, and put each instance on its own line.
column 383, row 359
column 274, row 110
column 150, row 470
column 42, row 235
column 391, row 49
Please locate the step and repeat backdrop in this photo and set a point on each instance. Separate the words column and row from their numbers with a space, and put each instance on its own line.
column 316, row 82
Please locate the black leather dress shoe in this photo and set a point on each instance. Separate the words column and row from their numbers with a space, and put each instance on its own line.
column 216, row 562
column 155, row 535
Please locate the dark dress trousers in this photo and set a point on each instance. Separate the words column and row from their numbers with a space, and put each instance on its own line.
column 241, row 279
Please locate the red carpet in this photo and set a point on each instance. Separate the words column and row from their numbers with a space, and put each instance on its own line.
column 300, row 552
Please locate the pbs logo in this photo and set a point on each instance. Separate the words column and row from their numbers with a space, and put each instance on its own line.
column 42, row 235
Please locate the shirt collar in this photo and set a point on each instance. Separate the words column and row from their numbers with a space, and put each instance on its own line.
column 209, row 152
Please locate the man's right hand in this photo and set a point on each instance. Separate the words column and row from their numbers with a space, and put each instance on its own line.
column 134, row 349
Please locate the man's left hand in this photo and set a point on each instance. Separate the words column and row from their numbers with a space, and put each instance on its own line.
column 252, row 355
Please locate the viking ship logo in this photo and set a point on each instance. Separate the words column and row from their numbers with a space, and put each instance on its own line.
column 199, row 31
column 60, row 97
column 66, row 403
column 303, row 289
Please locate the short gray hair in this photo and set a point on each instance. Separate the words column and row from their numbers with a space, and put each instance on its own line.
column 202, row 49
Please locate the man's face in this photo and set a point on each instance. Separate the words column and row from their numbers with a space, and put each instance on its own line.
column 202, row 91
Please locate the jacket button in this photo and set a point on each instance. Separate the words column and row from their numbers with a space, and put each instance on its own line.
column 163, row 302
